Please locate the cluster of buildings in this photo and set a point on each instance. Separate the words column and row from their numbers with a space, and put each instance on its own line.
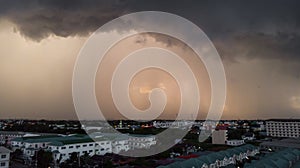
column 247, row 156
column 289, row 158
column 172, row 124
column 276, row 145
column 218, row 159
column 62, row 146
column 280, row 148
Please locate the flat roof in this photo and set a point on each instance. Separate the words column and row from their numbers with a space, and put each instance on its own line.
column 12, row 132
column 58, row 140
column 284, row 120
column 286, row 143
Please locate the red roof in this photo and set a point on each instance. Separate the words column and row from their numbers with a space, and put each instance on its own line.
column 188, row 156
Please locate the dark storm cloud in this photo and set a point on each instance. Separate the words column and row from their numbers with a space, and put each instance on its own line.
column 40, row 19
column 269, row 29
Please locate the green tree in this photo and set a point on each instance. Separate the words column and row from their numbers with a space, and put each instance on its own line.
column 43, row 158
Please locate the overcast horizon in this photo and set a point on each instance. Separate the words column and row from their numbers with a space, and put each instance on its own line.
column 259, row 44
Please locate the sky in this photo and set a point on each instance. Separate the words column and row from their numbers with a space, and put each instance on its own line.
column 259, row 44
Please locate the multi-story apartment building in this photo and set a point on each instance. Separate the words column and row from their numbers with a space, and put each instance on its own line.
column 4, row 157
column 283, row 128
column 62, row 147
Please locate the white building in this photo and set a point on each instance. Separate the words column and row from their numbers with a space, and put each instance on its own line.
column 249, row 136
column 235, row 142
column 141, row 141
column 283, row 128
column 119, row 142
column 62, row 150
column 62, row 147
column 219, row 137
column 172, row 124
column 6, row 136
column 4, row 157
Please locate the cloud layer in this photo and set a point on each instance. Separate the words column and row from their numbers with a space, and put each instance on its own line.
column 259, row 43
column 270, row 29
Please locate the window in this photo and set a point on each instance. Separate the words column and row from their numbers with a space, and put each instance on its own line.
column 2, row 164
column 90, row 151
column 70, row 147
column 77, row 146
column 3, row 156
column 90, row 144
column 63, row 147
column 84, row 145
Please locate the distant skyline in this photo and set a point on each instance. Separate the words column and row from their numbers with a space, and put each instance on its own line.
column 259, row 44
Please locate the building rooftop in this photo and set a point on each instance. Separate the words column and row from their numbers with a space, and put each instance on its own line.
column 284, row 120
column 278, row 159
column 4, row 150
column 286, row 143
column 12, row 133
column 59, row 140
column 211, row 158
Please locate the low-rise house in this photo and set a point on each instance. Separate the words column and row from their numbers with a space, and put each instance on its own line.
column 4, row 157
column 249, row 136
column 235, row 142
column 172, row 124
column 218, row 159
column 277, row 145
column 285, row 158
column 141, row 141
